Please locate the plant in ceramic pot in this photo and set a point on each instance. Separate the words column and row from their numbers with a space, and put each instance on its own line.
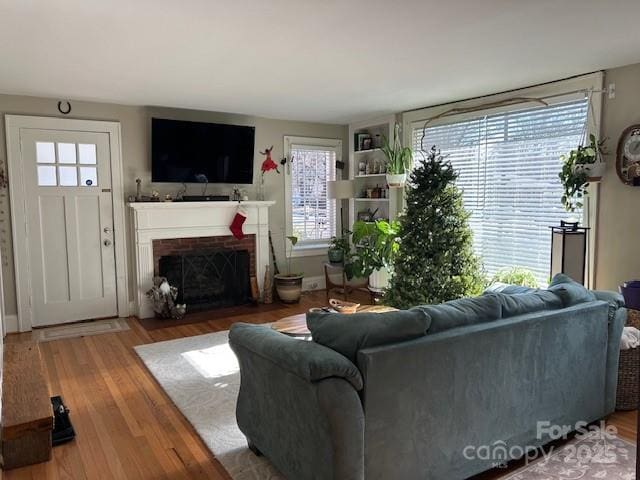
column 376, row 245
column 398, row 161
column 515, row 276
column 580, row 167
column 339, row 248
column 289, row 285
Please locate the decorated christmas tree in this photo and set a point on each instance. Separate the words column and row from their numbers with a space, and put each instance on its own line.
column 436, row 261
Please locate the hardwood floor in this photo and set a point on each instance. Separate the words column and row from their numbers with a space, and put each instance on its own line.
column 126, row 426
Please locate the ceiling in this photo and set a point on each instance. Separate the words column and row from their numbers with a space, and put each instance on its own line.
column 325, row 60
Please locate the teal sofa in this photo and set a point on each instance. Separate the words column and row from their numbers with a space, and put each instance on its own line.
column 413, row 394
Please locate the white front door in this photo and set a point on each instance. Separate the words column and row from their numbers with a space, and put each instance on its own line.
column 69, row 225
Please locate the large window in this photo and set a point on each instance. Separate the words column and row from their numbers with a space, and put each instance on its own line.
column 508, row 166
column 311, row 215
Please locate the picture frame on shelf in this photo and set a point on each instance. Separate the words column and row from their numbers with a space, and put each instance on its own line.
column 359, row 141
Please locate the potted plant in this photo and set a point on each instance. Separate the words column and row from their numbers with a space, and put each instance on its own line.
column 398, row 161
column 580, row 167
column 289, row 285
column 376, row 245
column 515, row 276
column 338, row 248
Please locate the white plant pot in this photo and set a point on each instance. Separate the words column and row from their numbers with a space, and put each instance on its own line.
column 396, row 179
column 595, row 171
column 379, row 279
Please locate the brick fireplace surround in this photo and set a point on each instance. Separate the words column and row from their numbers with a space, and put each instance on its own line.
column 181, row 246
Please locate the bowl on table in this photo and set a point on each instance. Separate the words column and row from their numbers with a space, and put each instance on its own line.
column 342, row 306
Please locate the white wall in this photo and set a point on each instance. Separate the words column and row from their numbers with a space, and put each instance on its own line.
column 136, row 128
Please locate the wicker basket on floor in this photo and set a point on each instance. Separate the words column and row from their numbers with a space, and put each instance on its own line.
column 628, row 371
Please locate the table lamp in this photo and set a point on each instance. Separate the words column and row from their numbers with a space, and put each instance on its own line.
column 341, row 190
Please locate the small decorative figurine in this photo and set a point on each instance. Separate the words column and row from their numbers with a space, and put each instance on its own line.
column 163, row 297
column 267, row 165
column 138, row 190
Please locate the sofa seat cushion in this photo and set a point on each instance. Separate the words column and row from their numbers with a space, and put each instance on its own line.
column 522, row 303
column 570, row 291
column 463, row 312
column 347, row 334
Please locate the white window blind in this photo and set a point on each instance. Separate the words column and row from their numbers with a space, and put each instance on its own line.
column 313, row 215
column 508, row 166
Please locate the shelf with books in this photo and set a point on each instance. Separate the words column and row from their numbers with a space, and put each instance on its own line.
column 365, row 158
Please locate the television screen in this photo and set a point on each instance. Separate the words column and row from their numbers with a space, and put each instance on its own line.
column 196, row 152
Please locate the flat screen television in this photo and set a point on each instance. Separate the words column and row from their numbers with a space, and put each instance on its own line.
column 197, row 152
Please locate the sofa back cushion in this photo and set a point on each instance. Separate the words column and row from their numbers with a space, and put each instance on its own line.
column 507, row 288
column 522, row 303
column 346, row 334
column 570, row 291
column 463, row 312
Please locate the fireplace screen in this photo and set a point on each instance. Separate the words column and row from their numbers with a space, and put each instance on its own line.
column 207, row 280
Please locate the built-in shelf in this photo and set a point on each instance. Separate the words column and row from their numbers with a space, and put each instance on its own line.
column 371, row 150
column 368, row 175
column 383, row 207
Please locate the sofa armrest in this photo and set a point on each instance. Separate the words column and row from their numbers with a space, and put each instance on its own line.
column 298, row 404
column 613, row 298
column 308, row 360
column 617, row 321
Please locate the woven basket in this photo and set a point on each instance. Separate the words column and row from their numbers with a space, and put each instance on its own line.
column 628, row 371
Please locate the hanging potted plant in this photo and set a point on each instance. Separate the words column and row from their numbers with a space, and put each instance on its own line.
column 376, row 245
column 398, row 161
column 289, row 285
column 580, row 167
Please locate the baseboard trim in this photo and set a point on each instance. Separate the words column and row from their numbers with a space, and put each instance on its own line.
column 11, row 324
column 313, row 283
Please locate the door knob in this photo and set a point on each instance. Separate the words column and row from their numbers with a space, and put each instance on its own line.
column 106, row 242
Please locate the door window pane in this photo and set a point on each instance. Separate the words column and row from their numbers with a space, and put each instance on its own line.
column 68, row 176
column 45, row 152
column 87, row 152
column 46, row 176
column 88, row 177
column 67, row 153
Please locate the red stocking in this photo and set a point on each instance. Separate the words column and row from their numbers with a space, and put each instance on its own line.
column 236, row 224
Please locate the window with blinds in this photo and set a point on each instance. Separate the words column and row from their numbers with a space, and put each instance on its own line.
column 313, row 214
column 508, row 166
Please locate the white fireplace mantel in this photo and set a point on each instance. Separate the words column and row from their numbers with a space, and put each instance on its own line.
column 162, row 220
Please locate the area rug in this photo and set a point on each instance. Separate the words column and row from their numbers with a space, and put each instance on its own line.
column 80, row 329
column 597, row 454
column 201, row 375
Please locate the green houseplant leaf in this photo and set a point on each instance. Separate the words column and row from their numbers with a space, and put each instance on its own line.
column 376, row 244
column 399, row 158
column 574, row 178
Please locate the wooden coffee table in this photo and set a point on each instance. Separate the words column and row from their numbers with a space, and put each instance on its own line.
column 296, row 325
